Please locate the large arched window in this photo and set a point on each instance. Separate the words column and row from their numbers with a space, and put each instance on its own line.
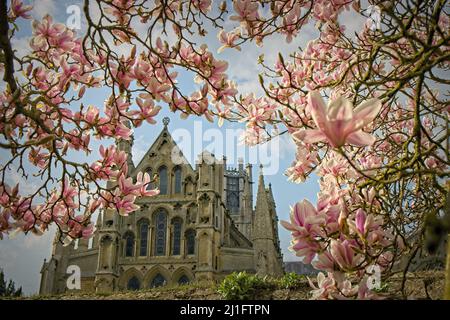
column 160, row 236
column 233, row 194
column 129, row 244
column 143, row 238
column 177, row 180
column 158, row 281
column 176, row 236
column 163, row 181
column 190, row 242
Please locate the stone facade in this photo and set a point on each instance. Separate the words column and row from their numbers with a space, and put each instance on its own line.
column 202, row 226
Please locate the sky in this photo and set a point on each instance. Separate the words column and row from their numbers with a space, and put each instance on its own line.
column 21, row 257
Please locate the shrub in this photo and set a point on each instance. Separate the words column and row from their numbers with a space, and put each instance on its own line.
column 290, row 280
column 241, row 286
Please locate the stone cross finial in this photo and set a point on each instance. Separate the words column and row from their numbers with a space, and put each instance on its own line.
column 166, row 121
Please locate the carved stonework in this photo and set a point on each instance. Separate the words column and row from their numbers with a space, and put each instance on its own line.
column 204, row 208
column 177, row 206
column 191, row 214
column 104, row 285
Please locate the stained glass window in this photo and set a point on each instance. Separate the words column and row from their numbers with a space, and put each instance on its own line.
column 176, row 236
column 190, row 242
column 177, row 176
column 162, row 180
column 143, row 239
column 161, row 227
column 233, row 194
column 151, row 185
column 129, row 245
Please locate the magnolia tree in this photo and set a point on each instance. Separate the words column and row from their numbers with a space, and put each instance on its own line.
column 366, row 112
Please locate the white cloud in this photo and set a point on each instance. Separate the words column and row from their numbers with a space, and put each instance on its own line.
column 42, row 8
column 14, row 177
column 21, row 258
column 140, row 147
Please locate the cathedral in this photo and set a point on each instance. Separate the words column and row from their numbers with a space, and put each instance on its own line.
column 202, row 226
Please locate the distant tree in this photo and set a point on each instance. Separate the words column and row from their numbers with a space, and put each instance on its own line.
column 2, row 284
column 10, row 289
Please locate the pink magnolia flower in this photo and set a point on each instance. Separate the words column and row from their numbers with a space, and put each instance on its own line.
column 68, row 194
column 64, row 41
column 18, row 9
column 4, row 222
column 127, row 186
column 326, row 285
column 222, row 114
column 44, row 31
column 368, row 227
column 68, row 72
column 304, row 163
column 144, row 180
column 148, row 109
column 92, row 115
column 80, row 227
column 324, row 262
column 339, row 123
column 290, row 21
column 28, row 220
column 334, row 164
column 94, row 204
column 228, row 39
column 246, row 10
column 344, row 254
column 255, row 116
column 38, row 158
column 306, row 249
column 305, row 220
column 360, row 221
column 253, row 135
column 157, row 89
column 125, row 205
column 202, row 5
column 217, row 72
column 224, row 93
column 122, row 72
column 122, row 131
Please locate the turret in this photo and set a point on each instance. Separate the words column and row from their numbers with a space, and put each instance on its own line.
column 265, row 238
column 98, row 225
column 127, row 146
column 209, row 190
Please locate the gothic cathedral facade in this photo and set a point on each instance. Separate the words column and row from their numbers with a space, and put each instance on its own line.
column 202, row 226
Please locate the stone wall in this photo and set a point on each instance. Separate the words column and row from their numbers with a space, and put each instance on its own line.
column 232, row 259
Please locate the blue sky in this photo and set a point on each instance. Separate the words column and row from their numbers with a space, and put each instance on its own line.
column 21, row 258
